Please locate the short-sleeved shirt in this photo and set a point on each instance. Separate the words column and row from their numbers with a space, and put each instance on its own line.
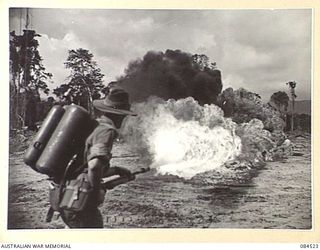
column 100, row 141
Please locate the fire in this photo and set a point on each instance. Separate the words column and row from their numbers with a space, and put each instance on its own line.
column 182, row 137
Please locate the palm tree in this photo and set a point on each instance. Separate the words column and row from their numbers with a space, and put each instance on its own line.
column 292, row 85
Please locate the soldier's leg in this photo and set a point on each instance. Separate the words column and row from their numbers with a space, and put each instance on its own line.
column 89, row 218
column 93, row 218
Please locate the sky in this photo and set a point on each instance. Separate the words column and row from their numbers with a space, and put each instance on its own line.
column 259, row 50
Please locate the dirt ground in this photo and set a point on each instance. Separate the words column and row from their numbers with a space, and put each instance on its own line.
column 277, row 196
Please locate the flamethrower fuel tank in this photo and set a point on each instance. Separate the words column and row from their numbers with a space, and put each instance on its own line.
column 42, row 137
column 67, row 139
column 61, row 136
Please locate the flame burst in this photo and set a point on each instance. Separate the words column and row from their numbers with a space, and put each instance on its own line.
column 182, row 137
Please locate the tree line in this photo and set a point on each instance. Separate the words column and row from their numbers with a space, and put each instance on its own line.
column 29, row 78
column 173, row 74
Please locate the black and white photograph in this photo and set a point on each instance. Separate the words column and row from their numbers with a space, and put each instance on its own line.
column 160, row 118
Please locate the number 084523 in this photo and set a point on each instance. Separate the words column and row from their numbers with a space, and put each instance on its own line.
column 310, row 246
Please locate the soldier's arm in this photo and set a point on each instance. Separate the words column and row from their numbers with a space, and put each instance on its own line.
column 95, row 167
column 100, row 155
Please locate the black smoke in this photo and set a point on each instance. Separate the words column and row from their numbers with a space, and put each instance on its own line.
column 173, row 74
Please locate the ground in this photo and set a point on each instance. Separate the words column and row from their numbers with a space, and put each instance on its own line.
column 277, row 196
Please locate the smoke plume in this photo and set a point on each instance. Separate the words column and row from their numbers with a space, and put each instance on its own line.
column 179, row 129
column 172, row 75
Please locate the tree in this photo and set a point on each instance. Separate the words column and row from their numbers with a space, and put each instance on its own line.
column 281, row 100
column 292, row 86
column 84, row 81
column 28, row 76
column 203, row 62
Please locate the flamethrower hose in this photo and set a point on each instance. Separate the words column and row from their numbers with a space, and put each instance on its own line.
column 122, row 179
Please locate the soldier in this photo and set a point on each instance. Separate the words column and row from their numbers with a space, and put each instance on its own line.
column 97, row 153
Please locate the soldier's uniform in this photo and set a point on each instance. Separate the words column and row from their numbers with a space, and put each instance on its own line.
column 98, row 145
